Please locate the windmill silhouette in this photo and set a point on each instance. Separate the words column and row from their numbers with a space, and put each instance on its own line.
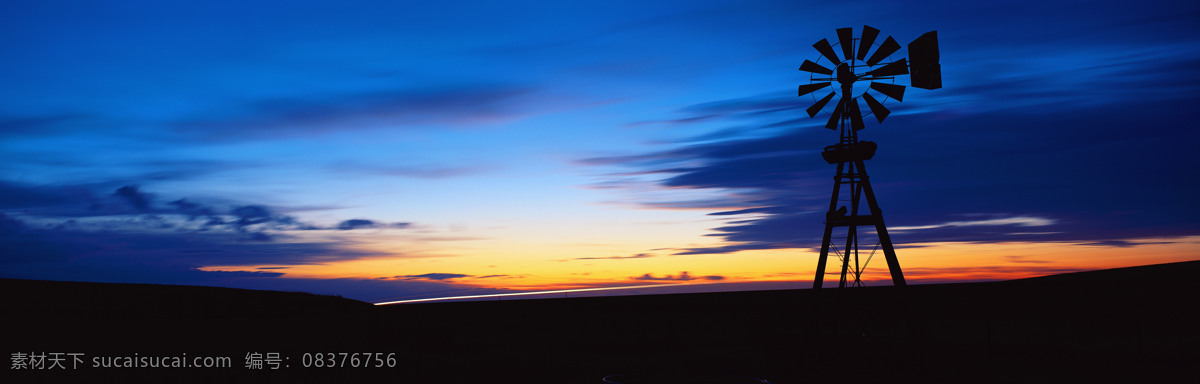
column 851, row 68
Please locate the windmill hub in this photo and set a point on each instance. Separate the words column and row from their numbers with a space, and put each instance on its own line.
column 845, row 75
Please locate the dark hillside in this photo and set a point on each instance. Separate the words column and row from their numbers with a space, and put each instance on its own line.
column 1122, row 325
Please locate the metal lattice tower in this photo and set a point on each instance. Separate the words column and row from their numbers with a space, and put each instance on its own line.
column 851, row 184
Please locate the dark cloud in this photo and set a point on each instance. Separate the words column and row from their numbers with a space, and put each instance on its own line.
column 433, row 276
column 88, row 200
column 63, row 252
column 139, row 208
column 134, row 197
column 352, row 224
column 1078, row 174
column 174, row 258
column 282, row 117
column 260, row 236
column 248, row 215
column 168, row 247
column 683, row 276
column 1024, row 260
column 356, row 224
column 192, row 210
column 497, row 277
column 126, row 235
column 1125, row 243
column 637, row 256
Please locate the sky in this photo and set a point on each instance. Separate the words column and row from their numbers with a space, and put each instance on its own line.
column 385, row 150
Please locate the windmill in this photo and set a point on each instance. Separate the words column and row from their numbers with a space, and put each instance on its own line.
column 859, row 76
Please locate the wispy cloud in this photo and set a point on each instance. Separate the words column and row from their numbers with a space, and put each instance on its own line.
column 432, row 276
column 284, row 117
column 352, row 224
column 1025, row 260
column 1020, row 221
column 637, row 256
column 426, row 171
column 683, row 276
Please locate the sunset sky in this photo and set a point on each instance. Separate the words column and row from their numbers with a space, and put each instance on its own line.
column 390, row 150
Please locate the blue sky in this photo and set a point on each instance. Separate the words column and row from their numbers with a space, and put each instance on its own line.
column 232, row 144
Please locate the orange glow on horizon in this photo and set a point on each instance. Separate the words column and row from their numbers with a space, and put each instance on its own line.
column 542, row 267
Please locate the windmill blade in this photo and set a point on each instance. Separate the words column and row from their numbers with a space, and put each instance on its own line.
column 810, row 66
column 881, row 112
column 868, row 38
column 846, row 39
column 855, row 114
column 837, row 114
column 816, row 108
column 827, row 51
column 898, row 67
column 810, row 88
column 886, row 49
column 890, row 90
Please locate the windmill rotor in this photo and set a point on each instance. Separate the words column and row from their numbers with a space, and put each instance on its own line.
column 861, row 60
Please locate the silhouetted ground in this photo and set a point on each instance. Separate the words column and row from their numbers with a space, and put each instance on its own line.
column 1123, row 325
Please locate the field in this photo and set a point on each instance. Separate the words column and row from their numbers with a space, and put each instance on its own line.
column 1134, row 324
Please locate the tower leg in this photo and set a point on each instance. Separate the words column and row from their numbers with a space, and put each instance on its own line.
column 885, row 241
column 826, row 239
column 817, row 280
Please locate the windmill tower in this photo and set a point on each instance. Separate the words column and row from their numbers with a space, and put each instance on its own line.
column 857, row 76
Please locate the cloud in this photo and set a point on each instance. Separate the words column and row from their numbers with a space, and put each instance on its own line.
column 29, row 253
column 260, row 236
column 1073, row 176
column 248, row 215
column 192, row 210
column 174, row 258
column 433, row 276
column 93, row 236
column 683, row 276
column 1022, row 221
column 355, row 224
column 1022, row 259
column 169, row 257
column 1125, row 243
column 139, row 208
column 274, row 118
column 431, row 171
column 637, row 256
column 74, row 245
